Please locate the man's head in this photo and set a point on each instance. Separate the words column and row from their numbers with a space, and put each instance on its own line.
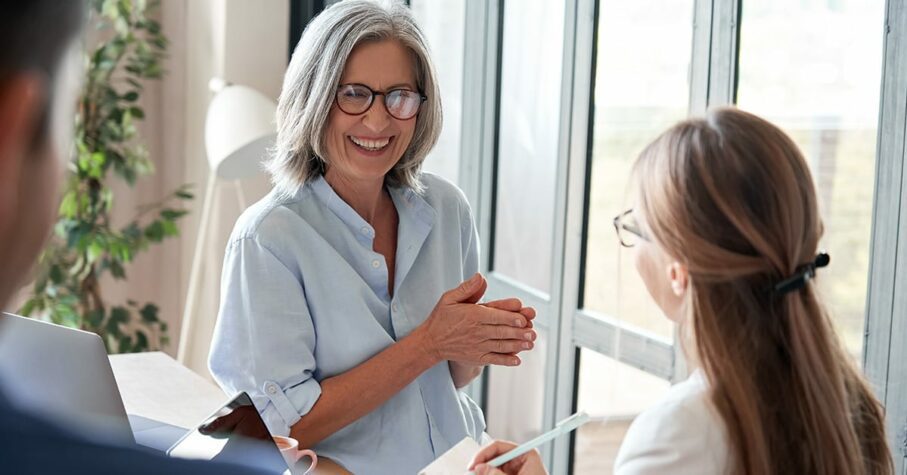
column 39, row 82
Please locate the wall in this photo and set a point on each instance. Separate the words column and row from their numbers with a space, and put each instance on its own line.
column 245, row 42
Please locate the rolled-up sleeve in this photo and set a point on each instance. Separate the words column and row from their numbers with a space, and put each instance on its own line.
column 264, row 340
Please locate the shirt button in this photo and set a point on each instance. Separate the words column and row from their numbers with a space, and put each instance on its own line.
column 376, row 263
column 272, row 389
column 394, row 307
column 365, row 230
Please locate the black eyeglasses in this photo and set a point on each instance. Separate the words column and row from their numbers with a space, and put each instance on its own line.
column 628, row 231
column 357, row 99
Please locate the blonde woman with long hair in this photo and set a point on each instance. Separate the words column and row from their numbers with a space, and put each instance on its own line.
column 725, row 234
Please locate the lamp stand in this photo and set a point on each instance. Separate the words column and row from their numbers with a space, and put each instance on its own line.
column 188, row 322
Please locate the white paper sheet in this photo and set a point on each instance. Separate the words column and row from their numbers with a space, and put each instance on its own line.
column 454, row 461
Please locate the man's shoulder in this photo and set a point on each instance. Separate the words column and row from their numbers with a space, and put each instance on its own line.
column 30, row 444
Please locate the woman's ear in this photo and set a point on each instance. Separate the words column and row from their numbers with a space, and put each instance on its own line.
column 679, row 277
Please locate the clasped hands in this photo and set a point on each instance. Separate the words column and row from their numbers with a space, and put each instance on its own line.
column 462, row 330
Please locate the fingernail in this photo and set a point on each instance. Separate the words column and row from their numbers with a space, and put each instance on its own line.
column 526, row 345
column 474, row 278
column 528, row 336
column 518, row 323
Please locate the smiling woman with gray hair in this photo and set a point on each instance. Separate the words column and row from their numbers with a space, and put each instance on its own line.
column 350, row 293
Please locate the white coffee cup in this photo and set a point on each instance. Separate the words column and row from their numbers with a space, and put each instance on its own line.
column 289, row 448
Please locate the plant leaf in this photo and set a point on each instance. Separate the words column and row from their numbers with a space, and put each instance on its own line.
column 95, row 318
column 155, row 231
column 149, row 313
column 125, row 344
column 170, row 228
column 116, row 269
column 173, row 214
column 141, row 341
column 29, row 307
column 118, row 316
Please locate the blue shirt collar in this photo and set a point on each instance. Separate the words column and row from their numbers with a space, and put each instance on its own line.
column 411, row 208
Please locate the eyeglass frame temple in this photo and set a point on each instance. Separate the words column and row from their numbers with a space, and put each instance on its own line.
column 619, row 225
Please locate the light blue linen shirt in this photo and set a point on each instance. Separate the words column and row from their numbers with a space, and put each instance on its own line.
column 304, row 298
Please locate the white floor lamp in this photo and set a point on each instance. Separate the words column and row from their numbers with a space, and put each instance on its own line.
column 239, row 129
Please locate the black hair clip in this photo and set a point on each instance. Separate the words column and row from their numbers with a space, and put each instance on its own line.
column 803, row 275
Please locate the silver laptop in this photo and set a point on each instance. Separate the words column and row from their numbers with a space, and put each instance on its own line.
column 62, row 374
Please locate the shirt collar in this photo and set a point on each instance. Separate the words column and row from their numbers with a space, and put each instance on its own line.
column 410, row 208
column 344, row 211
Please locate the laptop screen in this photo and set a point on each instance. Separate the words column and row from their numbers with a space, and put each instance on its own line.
column 234, row 434
column 62, row 374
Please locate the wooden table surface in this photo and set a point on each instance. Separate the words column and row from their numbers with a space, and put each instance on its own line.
column 155, row 386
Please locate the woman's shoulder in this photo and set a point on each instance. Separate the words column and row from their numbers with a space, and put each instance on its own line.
column 271, row 217
column 682, row 433
column 439, row 189
column 445, row 197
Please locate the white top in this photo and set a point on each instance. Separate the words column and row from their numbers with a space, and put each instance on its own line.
column 682, row 434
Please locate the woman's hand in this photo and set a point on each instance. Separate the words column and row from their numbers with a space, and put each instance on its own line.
column 513, row 305
column 464, row 373
column 459, row 330
column 529, row 463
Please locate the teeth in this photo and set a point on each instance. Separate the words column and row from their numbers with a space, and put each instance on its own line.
column 371, row 144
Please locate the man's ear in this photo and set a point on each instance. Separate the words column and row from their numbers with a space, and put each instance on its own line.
column 22, row 100
column 679, row 277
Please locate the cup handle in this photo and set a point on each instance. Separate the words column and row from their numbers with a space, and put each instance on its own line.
column 307, row 453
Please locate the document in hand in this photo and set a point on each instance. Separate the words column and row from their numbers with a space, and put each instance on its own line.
column 454, row 461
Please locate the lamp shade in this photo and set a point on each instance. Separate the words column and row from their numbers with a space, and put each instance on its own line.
column 239, row 129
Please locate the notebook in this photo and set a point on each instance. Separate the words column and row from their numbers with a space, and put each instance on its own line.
column 455, row 461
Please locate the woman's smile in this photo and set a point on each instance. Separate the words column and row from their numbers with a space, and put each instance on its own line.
column 371, row 147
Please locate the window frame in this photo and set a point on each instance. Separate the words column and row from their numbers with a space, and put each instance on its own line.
column 884, row 360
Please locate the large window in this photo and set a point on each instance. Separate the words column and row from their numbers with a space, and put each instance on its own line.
column 443, row 24
column 530, row 87
column 814, row 68
column 641, row 87
column 527, row 132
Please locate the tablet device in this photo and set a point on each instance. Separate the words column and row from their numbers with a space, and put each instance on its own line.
column 234, row 434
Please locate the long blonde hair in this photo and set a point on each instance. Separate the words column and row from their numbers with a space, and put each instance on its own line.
column 731, row 197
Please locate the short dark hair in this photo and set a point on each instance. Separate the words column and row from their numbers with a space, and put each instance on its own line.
column 34, row 34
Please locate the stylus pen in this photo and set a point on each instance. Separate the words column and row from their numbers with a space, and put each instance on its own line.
column 562, row 427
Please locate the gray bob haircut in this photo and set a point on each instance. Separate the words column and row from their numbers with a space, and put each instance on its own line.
column 311, row 81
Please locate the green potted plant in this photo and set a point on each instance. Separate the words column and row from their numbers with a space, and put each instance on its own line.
column 86, row 244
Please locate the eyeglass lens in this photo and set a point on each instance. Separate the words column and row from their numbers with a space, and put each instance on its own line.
column 355, row 99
